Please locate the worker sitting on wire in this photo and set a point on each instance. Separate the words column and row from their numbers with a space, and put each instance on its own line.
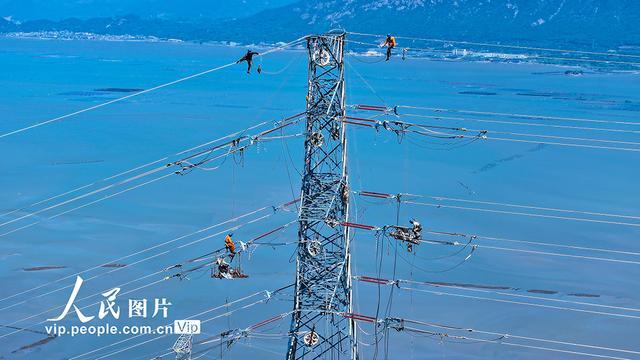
column 416, row 228
column 390, row 43
column 230, row 246
column 223, row 267
column 248, row 57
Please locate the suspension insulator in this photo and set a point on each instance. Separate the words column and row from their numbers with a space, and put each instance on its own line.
column 311, row 338
column 314, row 247
column 317, row 139
column 321, row 57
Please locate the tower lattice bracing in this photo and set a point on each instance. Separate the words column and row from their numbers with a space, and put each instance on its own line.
column 319, row 328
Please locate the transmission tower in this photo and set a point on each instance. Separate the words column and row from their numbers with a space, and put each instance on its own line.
column 319, row 328
column 182, row 347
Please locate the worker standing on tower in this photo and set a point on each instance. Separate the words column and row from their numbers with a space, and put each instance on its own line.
column 248, row 57
column 390, row 43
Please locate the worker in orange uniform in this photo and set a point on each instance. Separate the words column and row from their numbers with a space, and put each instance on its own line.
column 231, row 247
column 390, row 43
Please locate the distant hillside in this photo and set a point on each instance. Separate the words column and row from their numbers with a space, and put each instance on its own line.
column 26, row 10
column 601, row 24
column 549, row 21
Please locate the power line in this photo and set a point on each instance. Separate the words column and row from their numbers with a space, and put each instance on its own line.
column 475, row 246
column 403, row 128
column 521, row 213
column 507, row 343
column 141, row 92
column 395, row 111
column 185, row 166
column 505, row 56
column 124, row 293
column 402, row 196
column 509, row 335
column 266, row 294
column 565, row 144
column 271, row 208
column 534, row 56
column 552, row 307
column 248, row 332
column 548, row 253
column 400, row 325
column 517, row 123
column 538, row 243
column 519, row 115
column 139, row 167
column 521, row 206
column 325, row 143
column 398, row 283
column 163, row 159
column 504, row 46
column 533, row 252
column 502, row 293
column 138, row 279
column 261, row 301
column 558, row 137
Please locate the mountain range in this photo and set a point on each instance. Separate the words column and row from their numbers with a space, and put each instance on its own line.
column 592, row 24
column 25, row 10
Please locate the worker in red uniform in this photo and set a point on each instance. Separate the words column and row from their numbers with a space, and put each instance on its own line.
column 390, row 43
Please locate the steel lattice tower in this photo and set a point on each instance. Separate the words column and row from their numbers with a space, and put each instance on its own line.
column 323, row 274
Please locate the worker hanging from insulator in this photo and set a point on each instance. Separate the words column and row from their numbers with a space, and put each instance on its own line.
column 394, row 323
column 411, row 236
column 334, row 131
column 345, row 193
column 390, row 43
column 248, row 57
column 224, row 269
column 416, row 228
column 230, row 246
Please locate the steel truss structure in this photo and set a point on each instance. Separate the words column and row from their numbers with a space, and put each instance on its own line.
column 183, row 346
column 323, row 296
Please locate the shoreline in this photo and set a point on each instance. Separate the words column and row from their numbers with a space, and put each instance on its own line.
column 463, row 55
column 88, row 36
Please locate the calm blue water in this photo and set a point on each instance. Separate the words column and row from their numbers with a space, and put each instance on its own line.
column 44, row 79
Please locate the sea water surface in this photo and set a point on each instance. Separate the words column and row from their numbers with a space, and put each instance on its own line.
column 44, row 79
